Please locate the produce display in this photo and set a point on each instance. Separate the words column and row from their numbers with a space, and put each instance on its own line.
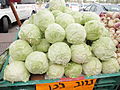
column 61, row 43
column 112, row 23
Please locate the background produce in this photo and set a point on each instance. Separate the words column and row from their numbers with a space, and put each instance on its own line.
column 64, row 46
column 112, row 23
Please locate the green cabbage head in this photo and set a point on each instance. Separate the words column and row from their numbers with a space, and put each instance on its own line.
column 43, row 18
column 43, row 46
column 59, row 53
column 104, row 48
column 75, row 33
column 80, row 53
column 37, row 63
column 16, row 71
column 30, row 33
column 26, row 22
column 67, row 10
column 29, row 21
column 73, row 70
column 54, row 33
column 64, row 19
column 110, row 66
column 19, row 50
column 77, row 16
column 56, row 12
column 88, row 16
column 57, row 5
column 55, row 71
column 95, row 29
column 93, row 67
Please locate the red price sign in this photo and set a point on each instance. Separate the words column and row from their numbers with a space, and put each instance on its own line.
column 86, row 84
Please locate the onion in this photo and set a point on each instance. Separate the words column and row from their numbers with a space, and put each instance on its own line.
column 110, row 23
column 105, row 21
column 116, row 15
column 118, row 46
column 118, row 50
column 108, row 18
column 115, row 35
column 103, row 18
column 109, row 14
column 117, row 25
column 112, row 30
column 118, row 31
column 103, row 14
column 116, row 20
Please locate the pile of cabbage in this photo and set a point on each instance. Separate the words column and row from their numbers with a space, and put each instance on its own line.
column 60, row 42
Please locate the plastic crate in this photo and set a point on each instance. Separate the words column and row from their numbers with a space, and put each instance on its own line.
column 3, row 46
column 104, row 81
column 111, row 83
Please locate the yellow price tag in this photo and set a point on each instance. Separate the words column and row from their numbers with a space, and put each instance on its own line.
column 86, row 84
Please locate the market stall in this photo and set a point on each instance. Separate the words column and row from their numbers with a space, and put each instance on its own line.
column 59, row 49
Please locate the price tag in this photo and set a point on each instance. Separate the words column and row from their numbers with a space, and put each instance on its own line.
column 86, row 84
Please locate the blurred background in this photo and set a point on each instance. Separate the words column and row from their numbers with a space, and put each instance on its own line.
column 86, row 1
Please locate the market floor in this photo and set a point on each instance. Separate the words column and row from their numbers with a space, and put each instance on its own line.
column 7, row 38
